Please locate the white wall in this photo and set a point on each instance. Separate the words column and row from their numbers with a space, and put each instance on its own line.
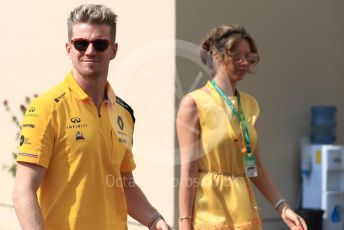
column 33, row 59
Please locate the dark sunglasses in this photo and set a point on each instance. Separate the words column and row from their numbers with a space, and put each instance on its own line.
column 81, row 44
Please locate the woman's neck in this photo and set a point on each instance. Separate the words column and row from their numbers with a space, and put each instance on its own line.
column 222, row 80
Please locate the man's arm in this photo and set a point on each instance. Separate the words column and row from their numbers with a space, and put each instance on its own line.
column 139, row 207
column 28, row 179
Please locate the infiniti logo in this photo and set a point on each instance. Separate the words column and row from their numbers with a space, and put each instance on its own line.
column 75, row 120
column 31, row 109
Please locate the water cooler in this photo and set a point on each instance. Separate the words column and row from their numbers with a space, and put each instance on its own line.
column 322, row 169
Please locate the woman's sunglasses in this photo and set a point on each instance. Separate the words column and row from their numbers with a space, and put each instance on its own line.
column 81, row 44
column 251, row 58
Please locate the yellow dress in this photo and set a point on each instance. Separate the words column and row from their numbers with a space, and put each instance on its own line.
column 224, row 197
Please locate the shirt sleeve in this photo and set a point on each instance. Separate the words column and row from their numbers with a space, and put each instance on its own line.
column 128, row 163
column 37, row 134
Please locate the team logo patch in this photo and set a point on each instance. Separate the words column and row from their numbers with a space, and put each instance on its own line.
column 60, row 97
column 120, row 122
column 31, row 109
column 22, row 138
column 24, row 141
column 75, row 120
column 79, row 136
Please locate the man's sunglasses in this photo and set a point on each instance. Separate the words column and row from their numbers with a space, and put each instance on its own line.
column 81, row 44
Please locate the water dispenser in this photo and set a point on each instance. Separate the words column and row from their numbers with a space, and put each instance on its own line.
column 322, row 168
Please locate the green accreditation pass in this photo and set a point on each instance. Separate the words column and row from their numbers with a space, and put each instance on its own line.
column 249, row 159
column 250, row 165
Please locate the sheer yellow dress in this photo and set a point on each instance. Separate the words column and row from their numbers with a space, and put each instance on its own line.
column 224, row 197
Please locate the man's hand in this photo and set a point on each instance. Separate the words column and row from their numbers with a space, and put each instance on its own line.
column 139, row 207
column 160, row 224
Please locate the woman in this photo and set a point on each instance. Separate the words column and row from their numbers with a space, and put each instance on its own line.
column 218, row 143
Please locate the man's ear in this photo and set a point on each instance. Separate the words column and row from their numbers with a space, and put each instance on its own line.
column 114, row 48
column 68, row 47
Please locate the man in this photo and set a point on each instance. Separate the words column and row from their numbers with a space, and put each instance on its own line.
column 76, row 140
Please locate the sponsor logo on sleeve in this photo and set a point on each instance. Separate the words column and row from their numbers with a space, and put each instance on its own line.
column 60, row 97
column 31, row 109
column 32, row 126
column 24, row 141
column 31, row 112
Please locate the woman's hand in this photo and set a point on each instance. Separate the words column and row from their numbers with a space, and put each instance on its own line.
column 293, row 220
column 185, row 225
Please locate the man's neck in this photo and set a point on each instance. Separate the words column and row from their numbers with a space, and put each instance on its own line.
column 94, row 86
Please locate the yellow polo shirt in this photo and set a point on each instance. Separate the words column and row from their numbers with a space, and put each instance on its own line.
column 84, row 153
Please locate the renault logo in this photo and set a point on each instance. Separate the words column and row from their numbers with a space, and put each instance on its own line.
column 120, row 123
column 75, row 120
